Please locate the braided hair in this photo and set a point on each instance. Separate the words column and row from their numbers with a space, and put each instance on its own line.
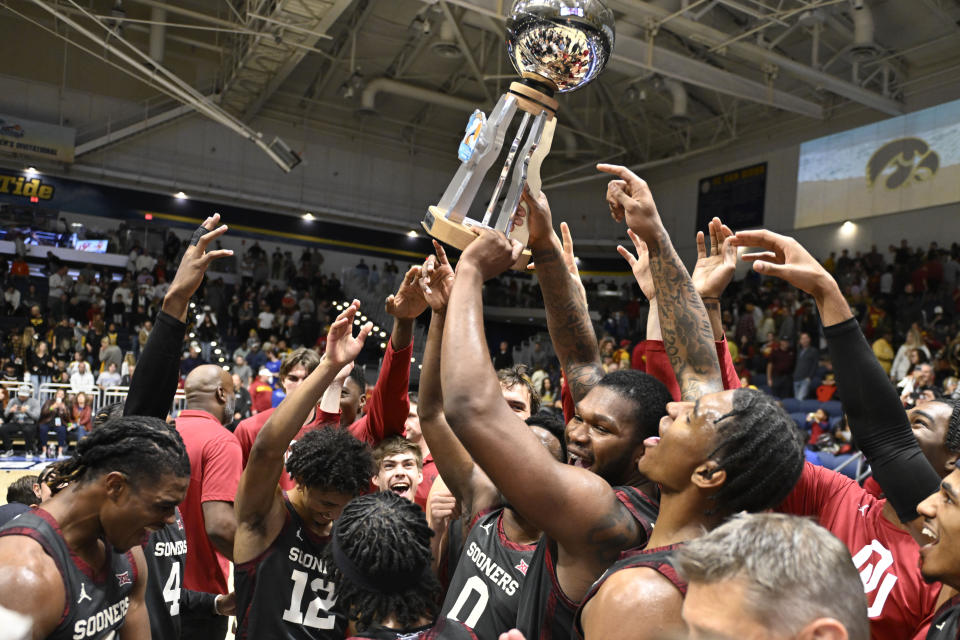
column 333, row 459
column 379, row 558
column 107, row 412
column 952, row 440
column 141, row 447
column 761, row 451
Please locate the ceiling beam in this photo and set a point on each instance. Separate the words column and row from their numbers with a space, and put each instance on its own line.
column 706, row 35
column 319, row 31
column 632, row 54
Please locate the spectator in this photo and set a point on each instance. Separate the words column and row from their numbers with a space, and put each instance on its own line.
column 192, row 361
column 504, row 357
column 110, row 353
column 242, row 369
column 82, row 379
column 242, row 403
column 58, row 283
column 780, row 370
column 261, row 391
column 109, row 378
column 21, row 415
column 883, row 349
column 807, row 361
column 82, row 415
column 55, row 416
column 902, row 361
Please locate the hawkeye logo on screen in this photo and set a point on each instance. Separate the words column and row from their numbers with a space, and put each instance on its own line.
column 902, row 162
column 20, row 186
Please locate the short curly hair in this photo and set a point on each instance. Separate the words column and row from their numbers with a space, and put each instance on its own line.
column 331, row 458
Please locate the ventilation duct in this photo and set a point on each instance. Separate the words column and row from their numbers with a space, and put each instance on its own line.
column 397, row 88
column 863, row 48
column 446, row 45
column 679, row 117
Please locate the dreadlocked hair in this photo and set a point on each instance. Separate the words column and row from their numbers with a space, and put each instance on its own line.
column 141, row 447
column 333, row 459
column 648, row 395
column 107, row 412
column 952, row 439
column 761, row 451
column 385, row 535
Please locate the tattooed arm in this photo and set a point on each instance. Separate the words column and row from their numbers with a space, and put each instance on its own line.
column 687, row 334
column 567, row 317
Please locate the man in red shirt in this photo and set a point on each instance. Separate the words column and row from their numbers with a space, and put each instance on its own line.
column 386, row 410
column 215, row 468
column 261, row 393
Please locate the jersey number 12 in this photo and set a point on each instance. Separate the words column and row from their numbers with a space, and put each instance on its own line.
column 311, row 618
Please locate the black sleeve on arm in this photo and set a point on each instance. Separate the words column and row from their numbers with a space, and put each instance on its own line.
column 158, row 370
column 196, row 602
column 878, row 421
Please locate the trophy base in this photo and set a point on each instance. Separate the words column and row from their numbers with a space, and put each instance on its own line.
column 460, row 236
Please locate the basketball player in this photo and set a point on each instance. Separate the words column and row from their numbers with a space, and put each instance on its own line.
column 907, row 466
column 579, row 510
column 283, row 588
column 74, row 565
column 379, row 556
column 485, row 587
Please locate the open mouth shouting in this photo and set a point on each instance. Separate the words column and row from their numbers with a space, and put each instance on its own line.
column 402, row 488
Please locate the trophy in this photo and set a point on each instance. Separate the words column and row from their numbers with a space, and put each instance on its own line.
column 556, row 46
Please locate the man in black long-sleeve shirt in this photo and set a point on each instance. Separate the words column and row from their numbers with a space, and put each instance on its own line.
column 151, row 394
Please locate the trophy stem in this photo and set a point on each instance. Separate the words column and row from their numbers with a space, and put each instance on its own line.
column 521, row 130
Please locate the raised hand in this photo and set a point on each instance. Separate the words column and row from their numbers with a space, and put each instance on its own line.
column 408, row 302
column 491, row 253
column 539, row 218
column 342, row 346
column 714, row 270
column 629, row 199
column 436, row 279
column 196, row 259
column 785, row 258
column 639, row 264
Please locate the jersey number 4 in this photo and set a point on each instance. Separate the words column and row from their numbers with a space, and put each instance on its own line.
column 171, row 590
column 324, row 600
column 474, row 585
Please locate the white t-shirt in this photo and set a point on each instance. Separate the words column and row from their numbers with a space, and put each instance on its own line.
column 266, row 320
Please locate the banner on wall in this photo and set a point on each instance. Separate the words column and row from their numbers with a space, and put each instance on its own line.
column 900, row 164
column 736, row 197
column 20, row 136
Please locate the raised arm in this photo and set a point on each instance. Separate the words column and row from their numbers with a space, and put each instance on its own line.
column 465, row 480
column 155, row 379
column 257, row 493
column 573, row 506
column 389, row 404
column 874, row 412
column 568, row 320
column 687, row 334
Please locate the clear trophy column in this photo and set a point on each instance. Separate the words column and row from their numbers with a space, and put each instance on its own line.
column 556, row 46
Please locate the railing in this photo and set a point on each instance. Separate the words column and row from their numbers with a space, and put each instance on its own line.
column 97, row 398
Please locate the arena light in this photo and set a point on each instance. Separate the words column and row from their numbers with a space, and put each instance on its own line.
column 31, row 171
column 848, row 229
column 193, row 335
column 383, row 345
column 412, row 360
column 309, row 217
column 412, row 234
column 180, row 195
column 213, row 344
column 226, row 368
column 383, row 334
column 356, row 322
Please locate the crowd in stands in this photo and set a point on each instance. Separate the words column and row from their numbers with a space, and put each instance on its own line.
column 86, row 332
